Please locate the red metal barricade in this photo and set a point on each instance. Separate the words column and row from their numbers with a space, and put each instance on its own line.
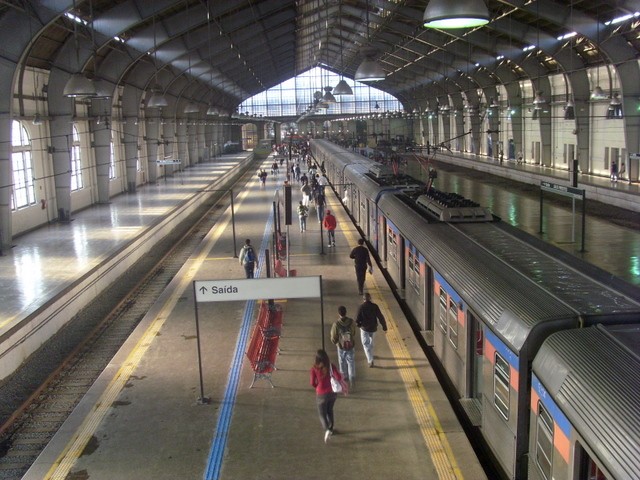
column 263, row 345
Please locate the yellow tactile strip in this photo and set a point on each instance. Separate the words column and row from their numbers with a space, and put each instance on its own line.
column 441, row 454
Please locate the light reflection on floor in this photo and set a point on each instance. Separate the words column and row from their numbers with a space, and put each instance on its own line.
column 49, row 258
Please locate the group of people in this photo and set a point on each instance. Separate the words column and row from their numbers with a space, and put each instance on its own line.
column 343, row 335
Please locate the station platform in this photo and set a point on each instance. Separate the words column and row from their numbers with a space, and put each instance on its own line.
column 145, row 418
column 512, row 192
column 152, row 426
column 51, row 273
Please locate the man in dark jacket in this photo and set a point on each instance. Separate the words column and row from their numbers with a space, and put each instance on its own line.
column 369, row 315
column 360, row 255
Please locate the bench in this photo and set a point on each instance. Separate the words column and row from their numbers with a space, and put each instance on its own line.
column 282, row 272
column 263, row 344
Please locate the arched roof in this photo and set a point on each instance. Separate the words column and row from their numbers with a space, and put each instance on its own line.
column 227, row 51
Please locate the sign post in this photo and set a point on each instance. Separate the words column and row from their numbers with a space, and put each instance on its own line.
column 574, row 193
column 252, row 289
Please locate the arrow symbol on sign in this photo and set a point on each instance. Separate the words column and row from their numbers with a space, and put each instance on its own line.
column 203, row 290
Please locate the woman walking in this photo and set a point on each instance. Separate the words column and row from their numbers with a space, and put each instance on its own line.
column 325, row 396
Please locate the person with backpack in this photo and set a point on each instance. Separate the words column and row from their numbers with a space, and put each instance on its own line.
column 343, row 335
column 248, row 258
column 303, row 212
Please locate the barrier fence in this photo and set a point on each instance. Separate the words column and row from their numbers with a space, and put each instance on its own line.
column 263, row 345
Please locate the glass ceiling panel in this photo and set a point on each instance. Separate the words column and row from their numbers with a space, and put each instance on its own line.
column 294, row 96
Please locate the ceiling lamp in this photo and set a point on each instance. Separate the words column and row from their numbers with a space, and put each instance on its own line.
column 191, row 108
column 212, row 110
column 103, row 89
column 79, row 86
column 598, row 93
column 455, row 14
column 538, row 101
column 342, row 88
column 369, row 70
column 570, row 110
column 157, row 98
column 328, row 98
column 37, row 119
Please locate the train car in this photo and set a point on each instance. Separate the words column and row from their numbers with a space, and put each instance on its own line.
column 264, row 148
column 486, row 296
column 231, row 147
column 585, row 405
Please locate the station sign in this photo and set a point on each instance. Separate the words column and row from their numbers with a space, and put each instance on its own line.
column 256, row 289
column 562, row 189
column 168, row 162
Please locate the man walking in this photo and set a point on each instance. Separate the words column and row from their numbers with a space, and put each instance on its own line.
column 343, row 334
column 367, row 319
column 329, row 223
column 248, row 258
column 303, row 212
column 360, row 255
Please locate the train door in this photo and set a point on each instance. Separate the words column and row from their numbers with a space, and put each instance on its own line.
column 366, row 228
column 373, row 226
column 382, row 244
column 588, row 469
column 476, row 355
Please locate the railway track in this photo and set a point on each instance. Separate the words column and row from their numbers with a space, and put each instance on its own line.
column 26, row 433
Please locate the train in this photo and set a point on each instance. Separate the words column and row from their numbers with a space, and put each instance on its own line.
column 491, row 303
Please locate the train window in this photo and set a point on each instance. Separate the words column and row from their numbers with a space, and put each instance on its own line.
column 544, row 441
column 453, row 323
column 392, row 242
column 501, row 376
column 413, row 271
column 410, row 273
column 443, row 310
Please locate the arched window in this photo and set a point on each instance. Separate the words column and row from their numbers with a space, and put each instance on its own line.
column 23, row 190
column 76, row 162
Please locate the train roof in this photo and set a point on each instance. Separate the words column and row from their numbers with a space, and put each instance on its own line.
column 520, row 292
column 592, row 375
column 585, row 288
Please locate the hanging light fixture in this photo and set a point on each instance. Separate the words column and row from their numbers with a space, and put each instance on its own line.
column 37, row 119
column 342, row 88
column 103, row 88
column 369, row 70
column 570, row 110
column 328, row 96
column 191, row 107
column 157, row 98
column 78, row 84
column 539, row 101
column 455, row 14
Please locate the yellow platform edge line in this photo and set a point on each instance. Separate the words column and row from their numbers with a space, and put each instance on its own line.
column 72, row 451
column 440, row 451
